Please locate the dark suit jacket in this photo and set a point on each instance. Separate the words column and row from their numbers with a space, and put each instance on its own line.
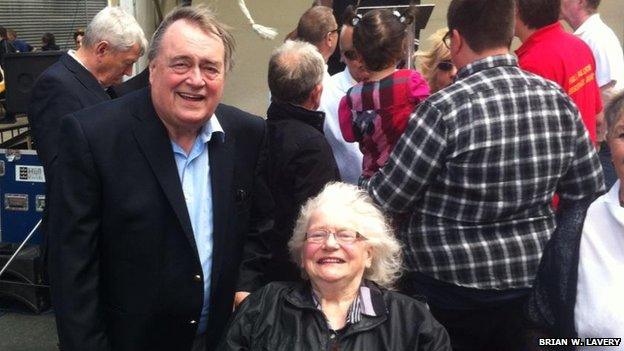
column 64, row 87
column 130, row 276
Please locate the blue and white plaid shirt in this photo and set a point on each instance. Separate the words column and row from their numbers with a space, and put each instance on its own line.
column 476, row 171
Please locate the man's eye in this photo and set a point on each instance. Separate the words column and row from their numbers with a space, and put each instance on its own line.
column 179, row 66
column 211, row 70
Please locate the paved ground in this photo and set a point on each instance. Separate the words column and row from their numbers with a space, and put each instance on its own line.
column 22, row 330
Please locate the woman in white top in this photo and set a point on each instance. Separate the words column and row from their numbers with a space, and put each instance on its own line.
column 599, row 307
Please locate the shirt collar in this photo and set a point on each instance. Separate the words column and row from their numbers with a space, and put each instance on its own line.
column 212, row 127
column 282, row 110
column 486, row 63
column 73, row 54
column 551, row 29
column 589, row 22
column 367, row 303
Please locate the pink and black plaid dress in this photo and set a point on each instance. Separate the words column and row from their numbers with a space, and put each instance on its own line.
column 375, row 114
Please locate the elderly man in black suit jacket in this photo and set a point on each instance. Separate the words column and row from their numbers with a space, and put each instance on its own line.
column 112, row 43
column 160, row 207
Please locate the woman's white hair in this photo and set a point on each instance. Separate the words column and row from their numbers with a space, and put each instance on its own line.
column 370, row 223
column 116, row 27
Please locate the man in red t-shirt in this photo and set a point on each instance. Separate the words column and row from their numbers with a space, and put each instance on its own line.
column 549, row 51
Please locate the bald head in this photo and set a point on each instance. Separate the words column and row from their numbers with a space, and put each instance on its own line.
column 296, row 68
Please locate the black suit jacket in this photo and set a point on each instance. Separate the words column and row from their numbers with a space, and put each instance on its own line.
column 130, row 276
column 64, row 87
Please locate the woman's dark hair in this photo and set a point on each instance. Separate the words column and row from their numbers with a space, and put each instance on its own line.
column 379, row 37
column 348, row 15
column 48, row 39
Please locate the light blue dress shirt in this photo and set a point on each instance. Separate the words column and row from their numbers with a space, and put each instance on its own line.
column 194, row 172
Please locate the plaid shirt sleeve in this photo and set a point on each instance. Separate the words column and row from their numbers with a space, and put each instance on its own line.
column 415, row 160
column 584, row 178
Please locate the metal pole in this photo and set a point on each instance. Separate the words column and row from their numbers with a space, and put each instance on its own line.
column 20, row 248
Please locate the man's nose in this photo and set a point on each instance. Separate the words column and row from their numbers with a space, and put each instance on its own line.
column 195, row 76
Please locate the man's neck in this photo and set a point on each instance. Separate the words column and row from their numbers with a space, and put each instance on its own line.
column 523, row 32
column 472, row 56
column 89, row 62
column 578, row 21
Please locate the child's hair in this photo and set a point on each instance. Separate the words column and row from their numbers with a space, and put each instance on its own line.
column 379, row 37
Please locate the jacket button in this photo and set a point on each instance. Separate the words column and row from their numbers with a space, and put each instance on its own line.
column 197, row 278
column 193, row 322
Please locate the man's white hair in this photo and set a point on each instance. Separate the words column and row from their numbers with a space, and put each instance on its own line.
column 117, row 28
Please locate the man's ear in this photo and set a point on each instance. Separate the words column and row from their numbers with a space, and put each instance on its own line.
column 315, row 95
column 151, row 66
column 330, row 39
column 458, row 42
column 102, row 48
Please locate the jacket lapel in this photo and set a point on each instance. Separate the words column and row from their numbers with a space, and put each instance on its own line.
column 221, row 155
column 153, row 140
column 85, row 77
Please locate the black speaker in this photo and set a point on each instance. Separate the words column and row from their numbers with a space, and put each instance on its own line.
column 23, row 280
column 21, row 71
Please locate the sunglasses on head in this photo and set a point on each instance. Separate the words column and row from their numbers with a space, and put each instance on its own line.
column 445, row 65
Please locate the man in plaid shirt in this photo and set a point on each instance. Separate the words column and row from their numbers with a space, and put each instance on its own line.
column 475, row 173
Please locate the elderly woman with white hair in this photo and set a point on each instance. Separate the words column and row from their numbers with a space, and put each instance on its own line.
column 350, row 259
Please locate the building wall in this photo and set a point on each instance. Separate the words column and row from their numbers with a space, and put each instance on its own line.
column 247, row 88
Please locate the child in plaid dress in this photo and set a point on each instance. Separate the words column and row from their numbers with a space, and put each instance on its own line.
column 375, row 113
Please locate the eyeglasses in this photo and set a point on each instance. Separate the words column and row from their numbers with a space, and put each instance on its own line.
column 446, row 39
column 445, row 65
column 332, row 31
column 342, row 237
column 349, row 54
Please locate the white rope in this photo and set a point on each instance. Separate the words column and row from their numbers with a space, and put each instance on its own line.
column 264, row 32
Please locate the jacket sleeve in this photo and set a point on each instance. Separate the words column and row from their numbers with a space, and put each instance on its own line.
column 75, row 228
column 549, row 311
column 51, row 100
column 344, row 120
column 256, row 252
column 418, row 88
column 433, row 336
column 238, row 335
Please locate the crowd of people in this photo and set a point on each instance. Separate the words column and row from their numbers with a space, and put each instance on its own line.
column 459, row 205
column 10, row 43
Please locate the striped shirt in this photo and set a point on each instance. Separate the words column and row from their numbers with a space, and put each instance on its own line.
column 362, row 305
column 476, row 170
